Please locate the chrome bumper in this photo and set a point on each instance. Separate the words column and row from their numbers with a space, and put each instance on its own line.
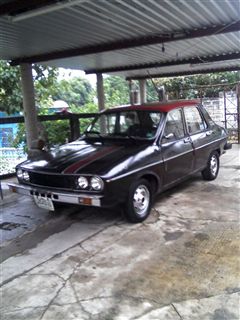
column 82, row 199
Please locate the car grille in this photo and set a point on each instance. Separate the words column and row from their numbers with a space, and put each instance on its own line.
column 53, row 180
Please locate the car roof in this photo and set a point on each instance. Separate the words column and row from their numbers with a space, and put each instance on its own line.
column 156, row 106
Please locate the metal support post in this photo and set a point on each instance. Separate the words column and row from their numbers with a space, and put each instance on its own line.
column 225, row 109
column 100, row 92
column 101, row 100
column 143, row 92
column 238, row 110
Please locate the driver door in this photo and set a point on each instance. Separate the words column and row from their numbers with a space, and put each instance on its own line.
column 177, row 149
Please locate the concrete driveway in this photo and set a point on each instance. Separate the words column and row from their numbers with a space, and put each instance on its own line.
column 180, row 264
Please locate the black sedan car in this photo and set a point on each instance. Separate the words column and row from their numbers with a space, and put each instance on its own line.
column 125, row 157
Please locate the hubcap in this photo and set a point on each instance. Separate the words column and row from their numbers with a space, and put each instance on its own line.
column 141, row 200
column 213, row 165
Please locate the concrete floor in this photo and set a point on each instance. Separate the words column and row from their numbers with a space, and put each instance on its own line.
column 180, row 264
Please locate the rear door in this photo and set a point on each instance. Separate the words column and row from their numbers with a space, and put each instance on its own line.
column 200, row 134
column 176, row 147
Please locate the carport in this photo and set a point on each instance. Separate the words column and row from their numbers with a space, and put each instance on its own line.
column 182, row 263
column 134, row 39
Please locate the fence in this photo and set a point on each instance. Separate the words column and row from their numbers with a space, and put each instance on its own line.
column 223, row 105
column 12, row 153
column 224, row 109
column 10, row 157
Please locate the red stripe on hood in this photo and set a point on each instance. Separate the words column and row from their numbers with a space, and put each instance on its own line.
column 73, row 168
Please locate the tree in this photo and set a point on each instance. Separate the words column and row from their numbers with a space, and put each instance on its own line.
column 11, row 100
column 116, row 91
column 77, row 92
column 45, row 80
column 10, row 90
column 189, row 87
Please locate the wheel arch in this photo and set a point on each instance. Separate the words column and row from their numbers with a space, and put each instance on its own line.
column 153, row 179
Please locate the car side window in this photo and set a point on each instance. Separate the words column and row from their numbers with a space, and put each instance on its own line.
column 111, row 123
column 127, row 120
column 194, row 121
column 155, row 117
column 174, row 128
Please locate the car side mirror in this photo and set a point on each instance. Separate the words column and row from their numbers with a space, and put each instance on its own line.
column 169, row 136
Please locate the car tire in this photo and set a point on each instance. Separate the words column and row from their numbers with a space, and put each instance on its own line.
column 212, row 168
column 139, row 201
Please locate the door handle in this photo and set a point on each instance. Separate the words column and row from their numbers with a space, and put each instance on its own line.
column 208, row 133
column 187, row 140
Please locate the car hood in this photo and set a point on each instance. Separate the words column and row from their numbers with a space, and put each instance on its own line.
column 85, row 158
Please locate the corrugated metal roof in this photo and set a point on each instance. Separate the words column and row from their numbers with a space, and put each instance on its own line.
column 86, row 23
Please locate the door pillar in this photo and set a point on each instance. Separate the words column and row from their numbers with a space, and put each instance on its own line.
column 130, row 92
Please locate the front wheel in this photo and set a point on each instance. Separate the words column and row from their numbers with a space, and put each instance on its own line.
column 212, row 168
column 139, row 201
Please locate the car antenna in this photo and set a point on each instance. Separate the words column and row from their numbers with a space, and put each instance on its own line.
column 153, row 83
column 160, row 91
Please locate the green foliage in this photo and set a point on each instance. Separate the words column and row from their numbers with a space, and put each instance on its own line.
column 189, row 87
column 90, row 107
column 58, row 132
column 45, row 80
column 77, row 92
column 11, row 100
column 20, row 139
column 10, row 90
column 116, row 91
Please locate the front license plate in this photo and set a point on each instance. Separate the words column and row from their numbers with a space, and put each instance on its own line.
column 44, row 203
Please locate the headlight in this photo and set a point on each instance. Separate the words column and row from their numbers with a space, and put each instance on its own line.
column 82, row 182
column 19, row 173
column 26, row 176
column 96, row 183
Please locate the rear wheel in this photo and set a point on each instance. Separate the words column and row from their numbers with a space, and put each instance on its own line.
column 139, row 201
column 211, row 171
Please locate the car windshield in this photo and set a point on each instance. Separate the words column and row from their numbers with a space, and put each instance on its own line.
column 126, row 124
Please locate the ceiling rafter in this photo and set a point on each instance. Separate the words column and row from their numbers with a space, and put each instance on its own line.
column 131, row 43
column 196, row 60
column 184, row 73
column 16, row 6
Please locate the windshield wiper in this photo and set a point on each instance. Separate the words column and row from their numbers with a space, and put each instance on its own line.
column 93, row 132
column 134, row 138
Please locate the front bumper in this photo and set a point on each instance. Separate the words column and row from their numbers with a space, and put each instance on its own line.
column 64, row 197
